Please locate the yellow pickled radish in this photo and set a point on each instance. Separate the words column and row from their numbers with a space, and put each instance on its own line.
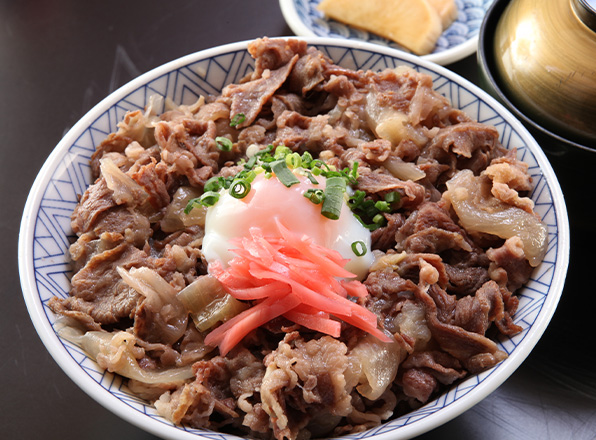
column 447, row 10
column 414, row 24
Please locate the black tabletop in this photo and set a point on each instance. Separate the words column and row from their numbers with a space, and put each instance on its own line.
column 59, row 58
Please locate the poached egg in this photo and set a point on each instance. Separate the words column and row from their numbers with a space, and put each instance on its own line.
column 270, row 200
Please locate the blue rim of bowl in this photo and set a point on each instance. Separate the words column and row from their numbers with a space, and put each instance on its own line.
column 299, row 17
column 433, row 417
column 487, row 65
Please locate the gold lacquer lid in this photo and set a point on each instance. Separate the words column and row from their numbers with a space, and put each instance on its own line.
column 545, row 54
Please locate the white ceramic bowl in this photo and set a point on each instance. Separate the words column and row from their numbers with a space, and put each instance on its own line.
column 455, row 43
column 46, row 234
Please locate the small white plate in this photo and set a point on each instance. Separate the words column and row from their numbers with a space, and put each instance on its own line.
column 457, row 42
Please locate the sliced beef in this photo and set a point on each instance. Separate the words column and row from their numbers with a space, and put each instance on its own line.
column 424, row 268
column 444, row 367
column 388, row 290
column 297, row 131
column 304, row 379
column 204, row 402
column 97, row 289
column 509, row 265
column 385, row 237
column 134, row 226
column 134, row 128
column 419, row 384
column 474, row 350
column 189, row 350
column 377, row 151
column 467, row 145
column 431, row 215
column 423, row 371
column 191, row 154
column 96, row 200
column 272, row 54
column 378, row 182
column 249, row 98
column 308, row 72
column 153, row 178
column 465, row 280
column 432, row 230
column 219, row 395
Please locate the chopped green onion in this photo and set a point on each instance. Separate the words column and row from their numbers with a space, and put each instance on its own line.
column 250, row 176
column 318, row 163
column 281, row 152
column 370, row 212
column 283, row 173
column 371, row 227
column 209, row 198
column 293, row 160
column 312, row 178
column 353, row 176
column 392, row 197
column 332, row 173
column 383, row 206
column 306, row 159
column 379, row 219
column 368, row 207
column 266, row 166
column 214, row 184
column 359, row 248
column 250, row 164
column 223, row 143
column 192, row 203
column 356, row 200
column 240, row 188
column 315, row 195
column 334, row 197
column 280, row 161
column 238, row 119
column 265, row 151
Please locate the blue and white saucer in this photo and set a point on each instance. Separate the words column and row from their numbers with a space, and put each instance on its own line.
column 457, row 41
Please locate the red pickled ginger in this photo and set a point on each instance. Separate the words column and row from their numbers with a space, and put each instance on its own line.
column 291, row 276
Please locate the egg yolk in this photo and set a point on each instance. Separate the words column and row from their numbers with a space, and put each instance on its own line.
column 270, row 200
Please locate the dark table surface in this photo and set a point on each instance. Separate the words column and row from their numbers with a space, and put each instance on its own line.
column 59, row 58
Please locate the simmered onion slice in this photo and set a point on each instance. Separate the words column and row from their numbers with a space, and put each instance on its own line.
column 479, row 211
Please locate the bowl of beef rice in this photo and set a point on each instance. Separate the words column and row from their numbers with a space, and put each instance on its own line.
column 293, row 238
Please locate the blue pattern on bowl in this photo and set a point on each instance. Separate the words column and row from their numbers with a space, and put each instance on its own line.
column 67, row 174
